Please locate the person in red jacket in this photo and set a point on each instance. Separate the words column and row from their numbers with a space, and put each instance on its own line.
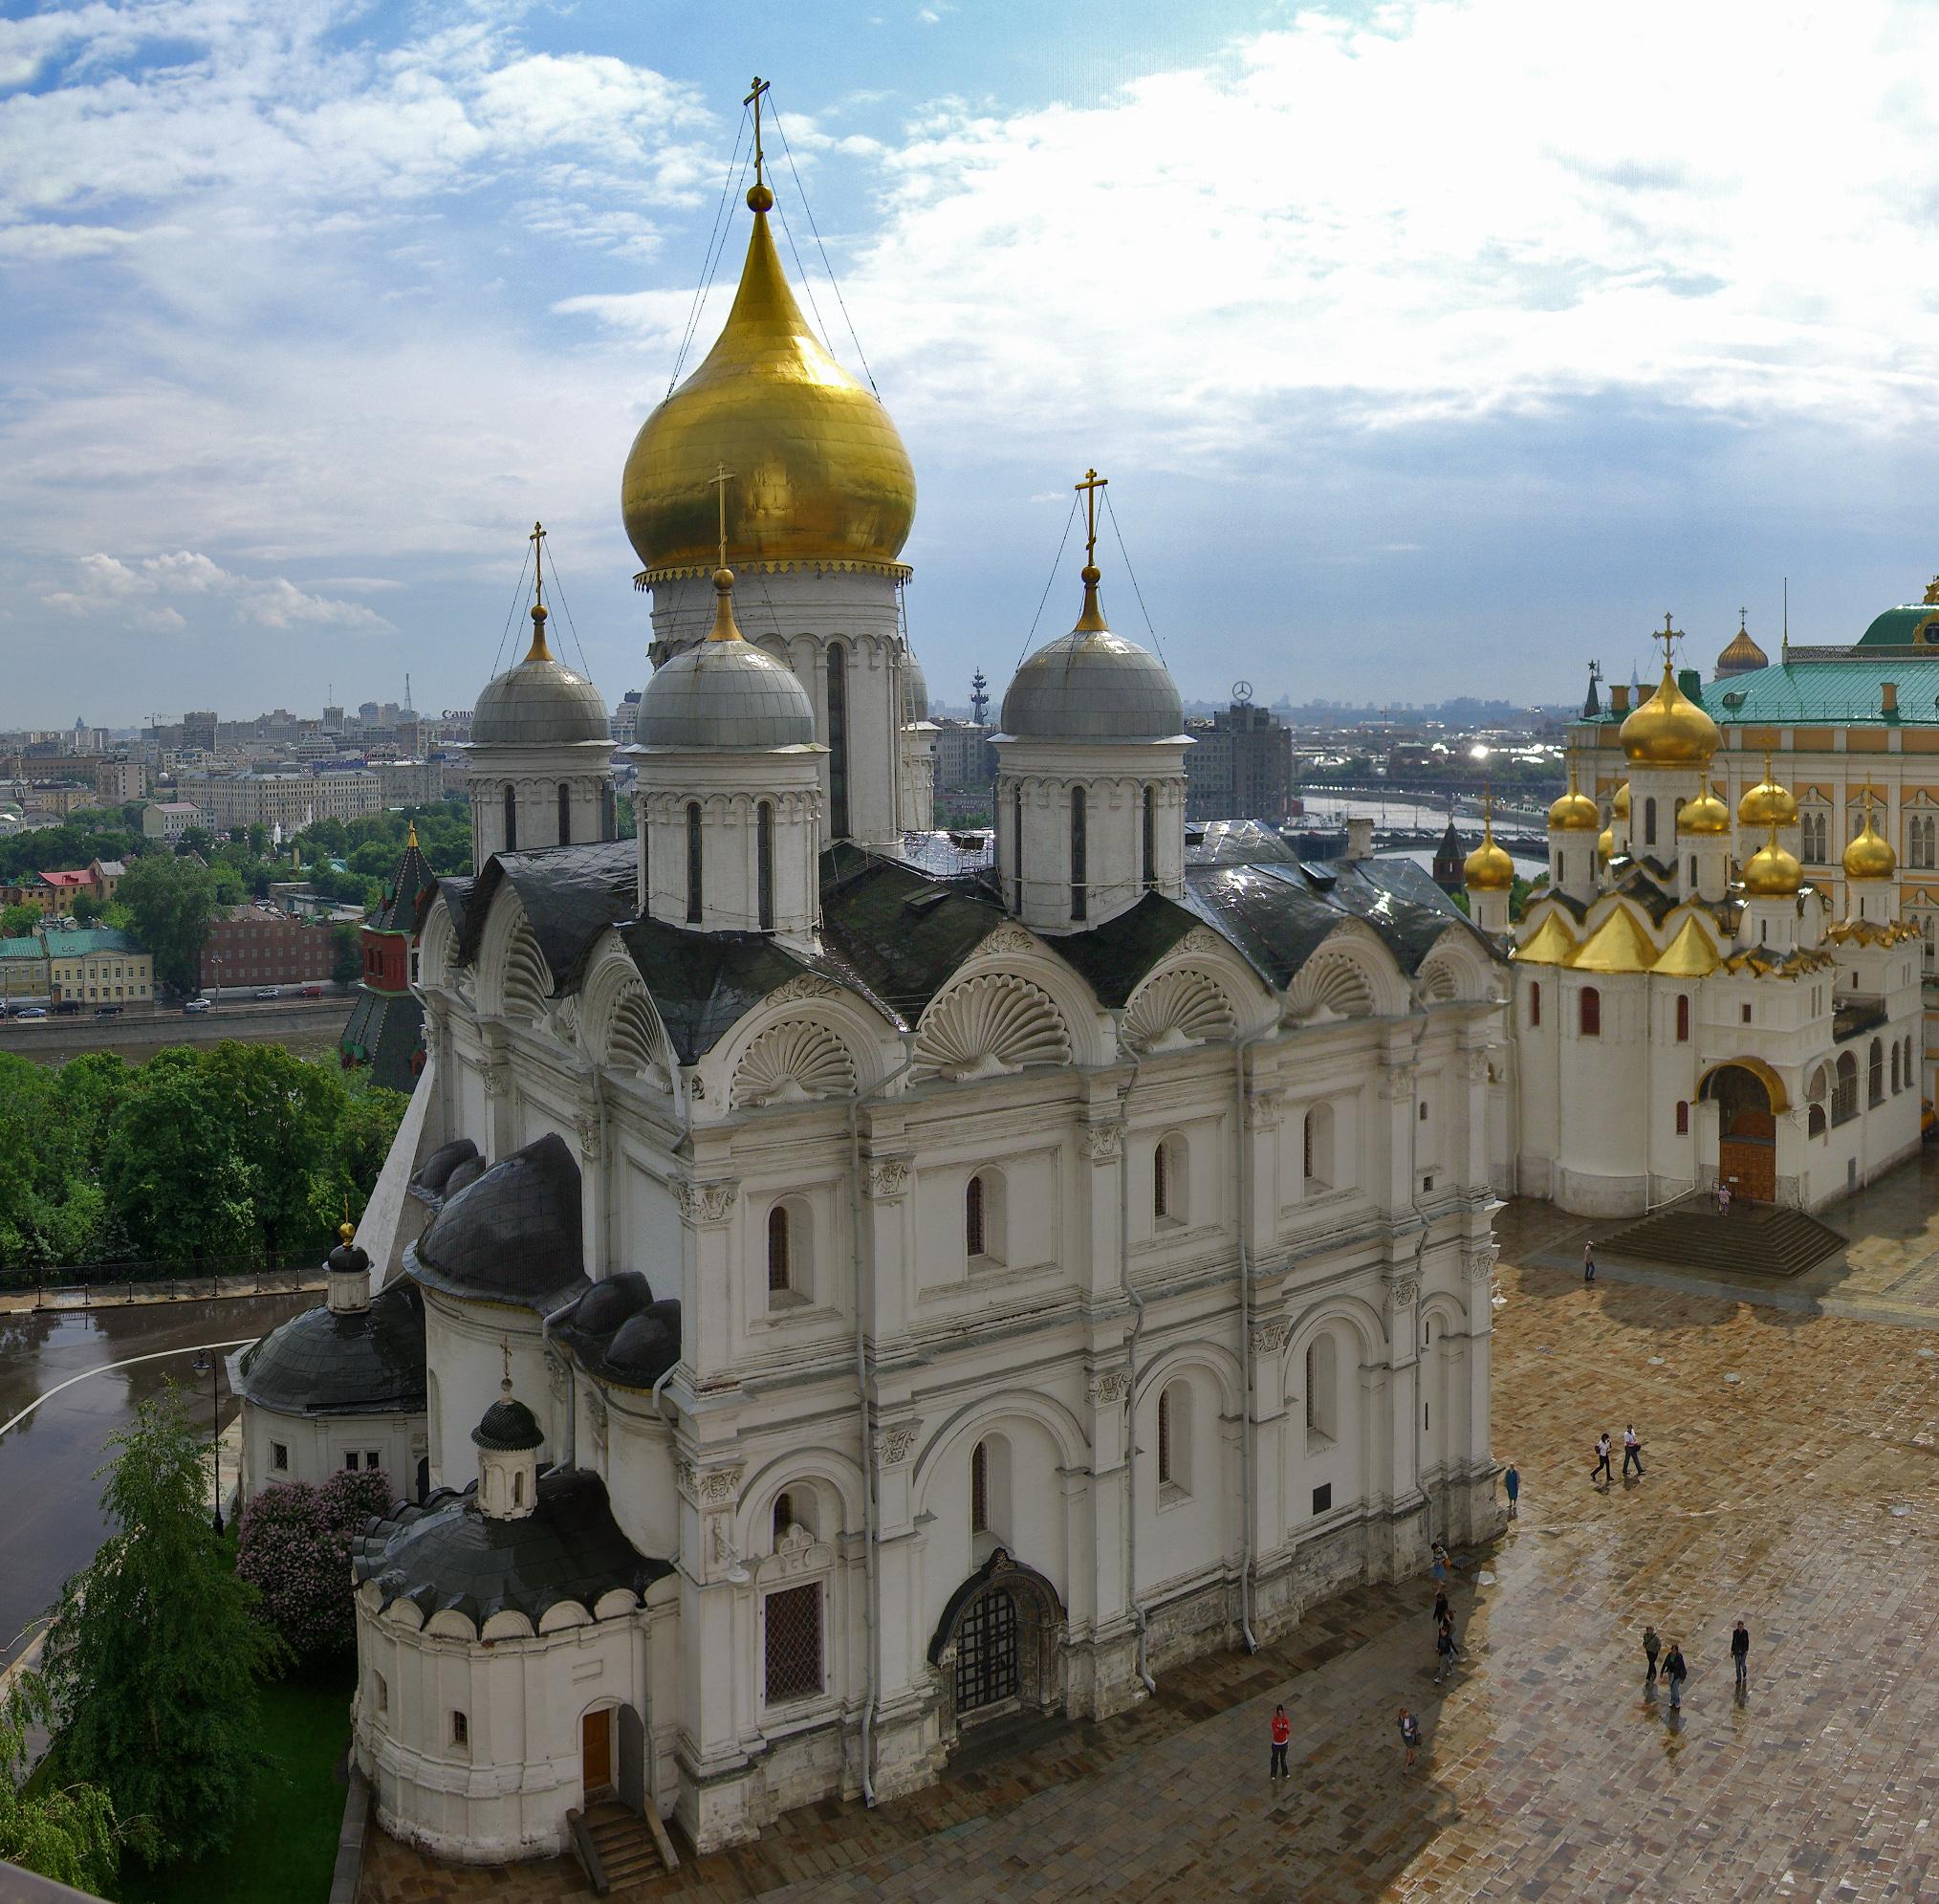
column 1282, row 1736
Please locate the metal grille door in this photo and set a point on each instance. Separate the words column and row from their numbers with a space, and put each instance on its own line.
column 986, row 1651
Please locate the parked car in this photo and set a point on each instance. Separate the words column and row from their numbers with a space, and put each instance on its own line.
column 196, row 1005
column 67, row 1008
column 268, row 991
column 31, row 1012
column 107, row 1011
column 312, row 992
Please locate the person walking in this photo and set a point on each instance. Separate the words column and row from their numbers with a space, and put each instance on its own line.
column 1632, row 1450
column 1651, row 1647
column 1740, row 1654
column 1444, row 1650
column 1282, row 1736
column 1438, row 1561
column 1601, row 1471
column 1723, row 1199
column 1676, row 1672
column 1512, row 1480
column 1440, row 1605
column 1588, row 1263
column 1410, row 1733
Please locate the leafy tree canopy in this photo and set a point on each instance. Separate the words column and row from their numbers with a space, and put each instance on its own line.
column 172, row 903
column 147, row 1681
column 66, row 1832
column 16, row 922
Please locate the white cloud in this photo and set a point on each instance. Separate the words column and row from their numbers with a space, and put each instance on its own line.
column 109, row 593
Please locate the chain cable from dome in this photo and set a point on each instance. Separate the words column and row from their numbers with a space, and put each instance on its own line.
column 510, row 615
column 1050, row 583
column 572, row 626
column 716, row 244
column 1124, row 554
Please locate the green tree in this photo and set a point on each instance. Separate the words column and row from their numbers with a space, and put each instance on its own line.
column 147, row 1682
column 87, row 909
column 196, row 839
column 294, row 1544
column 182, row 1184
column 16, row 922
column 346, row 947
column 66, row 1832
column 364, row 1137
column 259, row 837
column 172, row 903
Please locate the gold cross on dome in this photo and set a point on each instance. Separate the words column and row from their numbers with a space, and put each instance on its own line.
column 538, row 540
column 1667, row 634
column 718, row 482
column 754, row 99
column 1089, row 488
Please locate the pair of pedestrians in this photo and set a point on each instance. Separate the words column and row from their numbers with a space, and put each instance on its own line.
column 1632, row 1455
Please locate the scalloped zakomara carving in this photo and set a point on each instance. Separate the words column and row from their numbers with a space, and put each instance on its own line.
column 989, row 1025
column 1330, row 986
column 527, row 984
column 793, row 1063
column 637, row 1041
column 1176, row 1010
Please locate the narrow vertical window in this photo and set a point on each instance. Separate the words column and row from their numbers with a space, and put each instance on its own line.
column 980, row 1489
column 1683, row 1018
column 1590, row 1022
column 764, row 864
column 837, row 739
column 1160, row 1185
column 1078, row 842
column 1682, row 1119
column 779, row 1276
column 1692, row 872
column 510, row 821
column 693, row 863
column 1016, row 857
column 1150, row 838
column 1649, row 822
column 1165, row 1439
column 973, row 1217
column 1535, row 1012
column 565, row 813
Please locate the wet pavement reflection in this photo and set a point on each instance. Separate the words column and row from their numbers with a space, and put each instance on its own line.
column 49, row 1500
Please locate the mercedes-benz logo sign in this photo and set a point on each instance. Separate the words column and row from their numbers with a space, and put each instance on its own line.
column 1242, row 691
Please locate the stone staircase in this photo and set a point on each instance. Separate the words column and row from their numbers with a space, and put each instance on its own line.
column 1762, row 1240
column 618, row 1847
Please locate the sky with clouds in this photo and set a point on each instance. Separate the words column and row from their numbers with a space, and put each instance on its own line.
column 1429, row 348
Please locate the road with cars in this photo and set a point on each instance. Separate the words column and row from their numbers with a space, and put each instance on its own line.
column 308, row 1027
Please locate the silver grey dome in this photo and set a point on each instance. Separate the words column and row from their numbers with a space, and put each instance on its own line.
column 915, row 689
column 1092, row 686
column 541, row 702
column 723, row 696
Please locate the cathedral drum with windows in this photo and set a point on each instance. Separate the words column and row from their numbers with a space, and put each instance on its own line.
column 1688, row 1012
column 872, row 1288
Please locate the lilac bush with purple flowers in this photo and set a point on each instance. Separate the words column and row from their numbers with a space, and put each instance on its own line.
column 294, row 1548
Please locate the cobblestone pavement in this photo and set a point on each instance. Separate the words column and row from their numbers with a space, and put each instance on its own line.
column 1802, row 1495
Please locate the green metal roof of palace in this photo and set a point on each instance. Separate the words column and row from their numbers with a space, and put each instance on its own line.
column 1822, row 688
column 91, row 939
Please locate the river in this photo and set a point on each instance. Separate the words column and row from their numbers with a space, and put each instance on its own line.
column 49, row 1498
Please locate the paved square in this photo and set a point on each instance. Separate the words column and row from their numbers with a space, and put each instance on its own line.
column 1803, row 1495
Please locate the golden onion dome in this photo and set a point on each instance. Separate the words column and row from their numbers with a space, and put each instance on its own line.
column 1767, row 803
column 1870, row 855
column 1668, row 730
column 815, row 471
column 1619, row 807
column 1772, row 872
column 1487, row 868
column 1704, row 815
column 1575, row 812
column 1605, row 845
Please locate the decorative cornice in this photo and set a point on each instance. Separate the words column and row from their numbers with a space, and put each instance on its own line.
column 1103, row 1139
column 1397, row 1081
column 1107, row 1387
column 893, row 1443
column 887, row 1178
column 1263, row 1111
column 1008, row 941
column 1269, row 1338
column 587, row 1124
column 1403, row 1293
column 712, row 1489
column 803, row 985
column 1477, row 1260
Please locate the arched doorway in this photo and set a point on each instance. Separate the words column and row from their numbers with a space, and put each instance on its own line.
column 998, row 1648
column 1747, row 1131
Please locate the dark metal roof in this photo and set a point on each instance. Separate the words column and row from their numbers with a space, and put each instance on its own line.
column 514, row 1235
column 367, row 1362
column 903, row 954
column 1114, row 957
column 1234, row 842
column 619, row 1333
column 386, row 1033
column 447, row 1555
column 406, row 895
column 507, row 1426
column 570, row 896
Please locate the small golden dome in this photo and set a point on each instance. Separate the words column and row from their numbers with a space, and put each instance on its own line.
column 1605, row 845
column 1767, row 803
column 1772, row 873
column 1619, row 807
column 1870, row 855
column 1487, row 868
column 1575, row 812
column 1706, row 815
column 818, row 473
column 1668, row 730
column 1743, row 655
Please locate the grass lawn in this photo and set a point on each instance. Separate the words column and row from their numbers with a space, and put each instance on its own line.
column 286, row 1849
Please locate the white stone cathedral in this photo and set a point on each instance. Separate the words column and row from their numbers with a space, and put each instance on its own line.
column 875, row 1288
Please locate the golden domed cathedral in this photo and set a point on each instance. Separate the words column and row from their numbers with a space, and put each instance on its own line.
column 1690, row 1009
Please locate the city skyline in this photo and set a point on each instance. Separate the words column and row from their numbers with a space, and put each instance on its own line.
column 1385, row 324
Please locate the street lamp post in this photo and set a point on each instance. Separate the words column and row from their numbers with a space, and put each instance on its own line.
column 211, row 1365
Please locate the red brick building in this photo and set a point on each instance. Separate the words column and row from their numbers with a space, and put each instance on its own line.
column 256, row 946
